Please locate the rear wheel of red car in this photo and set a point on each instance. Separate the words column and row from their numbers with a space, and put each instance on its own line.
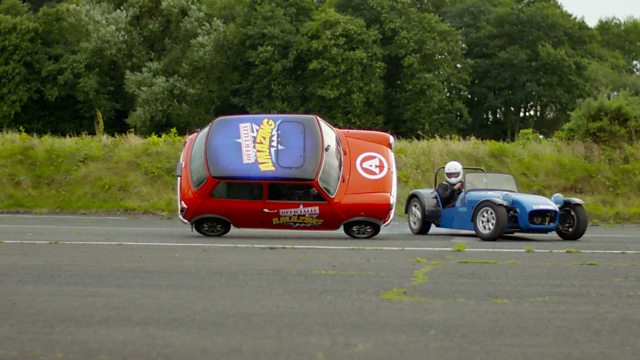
column 361, row 229
column 573, row 222
column 490, row 221
column 417, row 223
column 212, row 226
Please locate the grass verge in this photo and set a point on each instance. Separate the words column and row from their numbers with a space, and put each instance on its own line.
column 131, row 174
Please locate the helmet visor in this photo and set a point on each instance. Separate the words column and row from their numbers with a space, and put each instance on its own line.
column 452, row 175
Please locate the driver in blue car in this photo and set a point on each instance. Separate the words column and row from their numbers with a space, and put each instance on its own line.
column 450, row 189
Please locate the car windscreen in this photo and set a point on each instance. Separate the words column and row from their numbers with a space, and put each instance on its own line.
column 197, row 167
column 332, row 163
column 490, row 181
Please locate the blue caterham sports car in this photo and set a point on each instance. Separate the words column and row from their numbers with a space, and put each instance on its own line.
column 491, row 205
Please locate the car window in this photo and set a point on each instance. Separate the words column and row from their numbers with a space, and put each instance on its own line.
column 332, row 163
column 197, row 167
column 238, row 190
column 490, row 181
column 293, row 192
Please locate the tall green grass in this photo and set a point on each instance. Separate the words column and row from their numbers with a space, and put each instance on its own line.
column 131, row 174
column 607, row 179
column 88, row 173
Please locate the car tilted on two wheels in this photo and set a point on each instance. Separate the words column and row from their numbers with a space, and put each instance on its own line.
column 491, row 205
column 286, row 172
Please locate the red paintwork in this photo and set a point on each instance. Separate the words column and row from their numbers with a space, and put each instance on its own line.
column 365, row 192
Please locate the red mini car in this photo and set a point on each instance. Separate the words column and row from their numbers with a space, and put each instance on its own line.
column 286, row 172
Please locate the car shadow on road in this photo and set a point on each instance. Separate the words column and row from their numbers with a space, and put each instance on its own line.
column 537, row 238
column 519, row 238
column 337, row 235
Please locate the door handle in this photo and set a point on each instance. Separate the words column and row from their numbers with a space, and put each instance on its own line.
column 269, row 211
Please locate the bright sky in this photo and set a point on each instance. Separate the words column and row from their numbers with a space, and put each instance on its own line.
column 592, row 10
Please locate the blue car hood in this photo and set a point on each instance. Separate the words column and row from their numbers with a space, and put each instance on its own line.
column 533, row 202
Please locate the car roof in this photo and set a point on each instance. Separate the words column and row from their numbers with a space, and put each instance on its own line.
column 264, row 147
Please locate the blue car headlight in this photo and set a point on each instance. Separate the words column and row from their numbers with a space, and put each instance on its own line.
column 558, row 199
column 507, row 198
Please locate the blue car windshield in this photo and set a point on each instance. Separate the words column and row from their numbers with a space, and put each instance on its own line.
column 490, row 181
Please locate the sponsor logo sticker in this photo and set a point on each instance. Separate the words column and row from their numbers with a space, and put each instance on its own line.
column 299, row 217
column 544, row 207
column 246, row 140
column 258, row 144
column 372, row 165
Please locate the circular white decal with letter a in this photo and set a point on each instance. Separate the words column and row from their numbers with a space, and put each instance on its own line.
column 372, row 165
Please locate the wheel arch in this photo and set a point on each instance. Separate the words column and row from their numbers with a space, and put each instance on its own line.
column 573, row 201
column 495, row 201
column 430, row 204
column 363, row 218
column 210, row 216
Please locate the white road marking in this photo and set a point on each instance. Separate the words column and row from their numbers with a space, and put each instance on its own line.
column 92, row 227
column 183, row 227
column 612, row 236
column 316, row 247
column 63, row 216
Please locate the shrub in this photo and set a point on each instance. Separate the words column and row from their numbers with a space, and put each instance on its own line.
column 607, row 119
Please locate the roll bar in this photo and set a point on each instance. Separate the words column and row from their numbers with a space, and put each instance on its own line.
column 472, row 168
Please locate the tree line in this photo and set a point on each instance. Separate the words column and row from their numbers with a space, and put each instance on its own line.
column 415, row 68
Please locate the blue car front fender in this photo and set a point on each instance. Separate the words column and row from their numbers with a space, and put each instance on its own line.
column 430, row 201
column 492, row 200
column 573, row 201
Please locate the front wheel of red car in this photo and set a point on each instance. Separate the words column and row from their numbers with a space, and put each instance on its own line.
column 573, row 222
column 212, row 226
column 361, row 229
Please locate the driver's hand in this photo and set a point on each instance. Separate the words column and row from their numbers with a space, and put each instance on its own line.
column 458, row 186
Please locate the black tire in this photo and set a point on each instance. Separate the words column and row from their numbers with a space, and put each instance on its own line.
column 361, row 229
column 490, row 221
column 416, row 221
column 573, row 222
column 212, row 226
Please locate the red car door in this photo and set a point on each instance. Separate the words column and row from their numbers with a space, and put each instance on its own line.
column 298, row 206
column 240, row 202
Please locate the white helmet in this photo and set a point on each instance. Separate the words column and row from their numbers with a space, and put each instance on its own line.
column 453, row 172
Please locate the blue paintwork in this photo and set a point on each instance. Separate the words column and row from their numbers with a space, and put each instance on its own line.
column 461, row 215
column 524, row 212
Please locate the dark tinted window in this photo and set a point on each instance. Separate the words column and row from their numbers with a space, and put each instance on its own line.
column 294, row 192
column 238, row 191
column 197, row 168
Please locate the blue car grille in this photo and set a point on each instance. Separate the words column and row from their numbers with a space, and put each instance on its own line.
column 542, row 217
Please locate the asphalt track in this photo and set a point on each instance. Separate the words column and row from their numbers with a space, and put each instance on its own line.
column 148, row 288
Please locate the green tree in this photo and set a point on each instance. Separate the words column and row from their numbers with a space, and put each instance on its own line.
column 86, row 50
column 268, row 51
column 425, row 72
column 615, row 64
column 18, row 59
column 343, row 78
column 182, row 73
column 607, row 119
column 36, row 5
column 607, row 72
column 622, row 36
column 528, row 64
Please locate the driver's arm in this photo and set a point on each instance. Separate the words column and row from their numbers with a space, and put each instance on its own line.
column 444, row 190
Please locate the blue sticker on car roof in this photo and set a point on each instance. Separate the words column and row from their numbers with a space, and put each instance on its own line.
column 264, row 147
